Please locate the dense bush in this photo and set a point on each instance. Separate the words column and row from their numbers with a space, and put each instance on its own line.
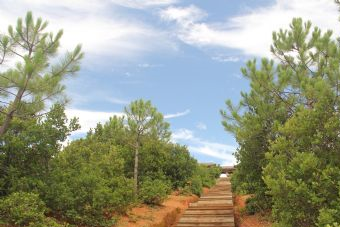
column 153, row 191
column 25, row 209
column 305, row 178
column 27, row 148
column 87, row 184
column 179, row 167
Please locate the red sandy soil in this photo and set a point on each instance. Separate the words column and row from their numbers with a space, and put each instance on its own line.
column 165, row 215
column 243, row 220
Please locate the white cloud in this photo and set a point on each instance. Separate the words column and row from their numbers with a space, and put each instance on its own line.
column 117, row 101
column 147, row 65
column 98, row 25
column 182, row 134
column 222, row 58
column 251, row 32
column 89, row 119
column 201, row 126
column 179, row 114
column 184, row 15
column 142, row 4
column 223, row 152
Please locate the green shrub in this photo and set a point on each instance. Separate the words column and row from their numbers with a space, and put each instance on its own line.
column 21, row 208
column 195, row 185
column 153, row 191
column 47, row 222
column 87, row 184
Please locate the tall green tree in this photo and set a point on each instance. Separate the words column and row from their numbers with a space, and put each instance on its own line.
column 25, row 88
column 143, row 120
column 288, row 127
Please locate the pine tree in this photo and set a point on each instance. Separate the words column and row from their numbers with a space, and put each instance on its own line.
column 35, row 78
column 144, row 120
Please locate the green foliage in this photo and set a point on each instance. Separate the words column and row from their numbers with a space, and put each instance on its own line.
column 257, row 204
column 27, row 148
column 288, row 131
column 25, row 209
column 48, row 222
column 87, row 184
column 195, row 185
column 203, row 176
column 153, row 191
column 179, row 166
column 208, row 175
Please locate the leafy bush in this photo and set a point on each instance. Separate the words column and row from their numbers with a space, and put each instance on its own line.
column 47, row 222
column 208, row 175
column 21, row 208
column 179, row 166
column 87, row 184
column 194, row 186
column 153, row 191
column 25, row 209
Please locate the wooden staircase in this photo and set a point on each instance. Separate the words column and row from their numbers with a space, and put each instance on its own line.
column 213, row 209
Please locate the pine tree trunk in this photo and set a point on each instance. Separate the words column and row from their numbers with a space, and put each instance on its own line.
column 13, row 107
column 5, row 125
column 135, row 171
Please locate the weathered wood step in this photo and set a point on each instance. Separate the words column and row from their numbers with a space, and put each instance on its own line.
column 207, row 225
column 200, row 219
column 203, row 211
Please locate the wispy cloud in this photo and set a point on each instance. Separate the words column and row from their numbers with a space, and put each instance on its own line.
column 195, row 144
column 142, row 4
column 117, row 101
column 147, row 65
column 102, row 28
column 175, row 115
column 250, row 32
column 201, row 126
column 182, row 134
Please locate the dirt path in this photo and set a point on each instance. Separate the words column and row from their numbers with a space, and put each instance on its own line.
column 160, row 216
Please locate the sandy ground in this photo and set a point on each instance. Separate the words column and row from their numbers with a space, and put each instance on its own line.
column 243, row 220
column 158, row 216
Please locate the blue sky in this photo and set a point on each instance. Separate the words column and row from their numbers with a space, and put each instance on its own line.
column 183, row 55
